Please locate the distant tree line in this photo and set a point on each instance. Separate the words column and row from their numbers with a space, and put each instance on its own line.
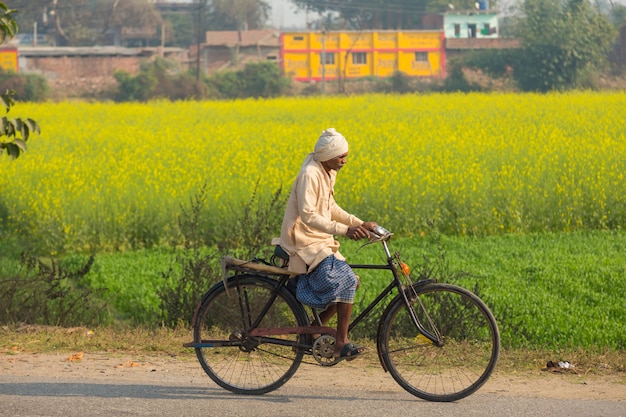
column 564, row 43
column 135, row 22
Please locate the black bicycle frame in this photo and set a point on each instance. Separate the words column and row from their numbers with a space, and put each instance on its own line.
column 396, row 283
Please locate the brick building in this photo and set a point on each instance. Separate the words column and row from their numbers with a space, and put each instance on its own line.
column 233, row 49
column 90, row 70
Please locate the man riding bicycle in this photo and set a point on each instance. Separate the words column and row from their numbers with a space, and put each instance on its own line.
column 312, row 220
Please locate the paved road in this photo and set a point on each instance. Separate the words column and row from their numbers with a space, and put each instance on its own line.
column 127, row 384
column 22, row 396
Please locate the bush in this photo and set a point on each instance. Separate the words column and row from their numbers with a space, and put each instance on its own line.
column 37, row 88
column 158, row 79
column 456, row 80
column 198, row 266
column 493, row 62
column 227, row 84
column 196, row 271
column 138, row 88
column 50, row 292
column 399, row 82
column 29, row 87
column 262, row 79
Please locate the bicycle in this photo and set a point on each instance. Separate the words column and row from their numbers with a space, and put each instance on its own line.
column 440, row 342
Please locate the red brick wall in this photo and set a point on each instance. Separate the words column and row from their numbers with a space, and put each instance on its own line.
column 72, row 73
column 82, row 74
column 482, row 43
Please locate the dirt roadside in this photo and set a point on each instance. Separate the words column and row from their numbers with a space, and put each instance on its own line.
column 364, row 373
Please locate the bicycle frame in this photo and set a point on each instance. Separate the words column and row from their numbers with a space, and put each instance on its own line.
column 395, row 283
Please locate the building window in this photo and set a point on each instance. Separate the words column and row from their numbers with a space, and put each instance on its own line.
column 471, row 30
column 457, row 30
column 359, row 58
column 486, row 29
column 330, row 58
column 421, row 57
column 272, row 58
column 298, row 38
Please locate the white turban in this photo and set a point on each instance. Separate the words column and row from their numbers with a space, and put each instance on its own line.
column 330, row 145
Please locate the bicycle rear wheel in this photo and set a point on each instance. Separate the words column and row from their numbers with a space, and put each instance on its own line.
column 471, row 343
column 234, row 360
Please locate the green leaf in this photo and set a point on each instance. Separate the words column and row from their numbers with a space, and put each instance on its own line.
column 11, row 128
column 13, row 150
column 5, row 101
column 33, row 127
column 20, row 144
column 25, row 131
column 19, row 126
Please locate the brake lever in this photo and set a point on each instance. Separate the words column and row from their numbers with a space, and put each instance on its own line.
column 378, row 234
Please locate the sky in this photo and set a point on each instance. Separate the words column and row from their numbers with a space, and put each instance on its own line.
column 284, row 15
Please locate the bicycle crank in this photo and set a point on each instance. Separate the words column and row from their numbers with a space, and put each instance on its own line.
column 323, row 349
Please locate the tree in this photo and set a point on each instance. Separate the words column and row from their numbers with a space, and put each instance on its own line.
column 86, row 22
column 8, row 25
column 237, row 14
column 563, row 44
column 13, row 132
column 388, row 14
column 131, row 14
column 618, row 16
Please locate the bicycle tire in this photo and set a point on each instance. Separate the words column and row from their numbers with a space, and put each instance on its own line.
column 468, row 356
column 232, row 359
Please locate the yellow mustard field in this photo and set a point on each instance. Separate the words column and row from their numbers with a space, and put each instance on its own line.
column 105, row 175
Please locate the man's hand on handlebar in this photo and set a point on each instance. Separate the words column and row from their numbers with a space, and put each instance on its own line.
column 360, row 232
column 369, row 226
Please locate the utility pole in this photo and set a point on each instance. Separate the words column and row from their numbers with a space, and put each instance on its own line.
column 199, row 40
column 324, row 61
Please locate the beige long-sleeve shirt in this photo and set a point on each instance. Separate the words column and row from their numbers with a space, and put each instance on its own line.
column 313, row 218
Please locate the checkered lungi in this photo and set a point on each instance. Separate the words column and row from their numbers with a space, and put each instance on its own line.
column 332, row 281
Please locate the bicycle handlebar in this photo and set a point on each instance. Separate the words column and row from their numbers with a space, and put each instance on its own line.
column 379, row 234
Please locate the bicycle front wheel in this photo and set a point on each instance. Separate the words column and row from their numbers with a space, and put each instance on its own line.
column 465, row 359
column 232, row 358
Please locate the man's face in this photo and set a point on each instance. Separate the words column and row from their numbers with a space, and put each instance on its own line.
column 336, row 163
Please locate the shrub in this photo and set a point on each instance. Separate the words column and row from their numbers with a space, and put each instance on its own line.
column 138, row 88
column 456, row 80
column 158, row 79
column 49, row 292
column 196, row 269
column 37, row 88
column 399, row 82
column 262, row 79
column 198, row 266
column 494, row 62
column 29, row 87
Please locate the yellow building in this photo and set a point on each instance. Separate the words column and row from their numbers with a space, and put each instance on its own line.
column 8, row 59
column 357, row 54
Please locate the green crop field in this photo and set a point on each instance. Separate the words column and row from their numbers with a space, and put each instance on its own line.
column 546, row 290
